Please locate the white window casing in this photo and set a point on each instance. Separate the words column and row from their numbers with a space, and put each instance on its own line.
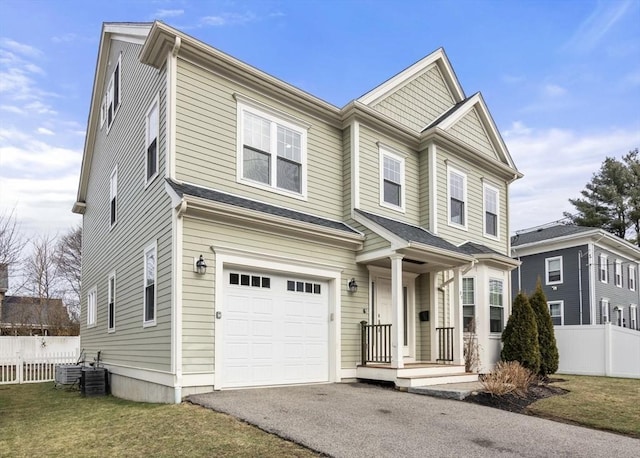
column 556, row 310
column 111, row 302
column 496, row 305
column 604, row 310
column 632, row 278
column 468, row 303
column 113, row 197
column 92, row 306
column 553, row 270
column 633, row 316
column 603, row 270
column 150, row 289
column 112, row 96
column 491, row 201
column 152, row 129
column 457, row 197
column 392, row 179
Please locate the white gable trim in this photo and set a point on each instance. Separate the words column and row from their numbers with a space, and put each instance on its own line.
column 438, row 57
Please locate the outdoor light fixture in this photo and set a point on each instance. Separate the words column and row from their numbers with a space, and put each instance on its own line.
column 200, row 266
column 352, row 285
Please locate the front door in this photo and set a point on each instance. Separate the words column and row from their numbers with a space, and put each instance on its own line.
column 382, row 311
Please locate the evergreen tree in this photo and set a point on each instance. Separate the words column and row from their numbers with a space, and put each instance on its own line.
column 520, row 336
column 632, row 161
column 549, row 357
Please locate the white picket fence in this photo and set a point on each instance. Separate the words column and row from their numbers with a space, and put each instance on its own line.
column 33, row 359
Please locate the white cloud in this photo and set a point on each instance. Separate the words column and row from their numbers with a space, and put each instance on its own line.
column 168, row 13
column 40, row 108
column 12, row 109
column 45, row 131
column 65, row 38
column 553, row 90
column 20, row 48
column 557, row 164
column 229, row 19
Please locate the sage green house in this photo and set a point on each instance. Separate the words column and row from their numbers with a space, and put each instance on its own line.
column 240, row 232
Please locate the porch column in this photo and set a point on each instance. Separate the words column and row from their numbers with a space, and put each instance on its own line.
column 397, row 328
column 458, row 335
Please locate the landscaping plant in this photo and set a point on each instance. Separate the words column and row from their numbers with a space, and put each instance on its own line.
column 520, row 336
column 508, row 377
column 549, row 357
column 471, row 350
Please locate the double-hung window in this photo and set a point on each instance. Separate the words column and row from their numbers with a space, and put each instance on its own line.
column 491, row 202
column 111, row 98
column 556, row 310
column 272, row 152
column 633, row 316
column 111, row 302
column 496, row 307
column 553, row 270
column 113, row 196
column 632, row 278
column 603, row 268
column 604, row 311
column 150, row 278
column 468, row 304
column 92, row 306
column 618, row 273
column 151, row 141
column 457, row 198
column 391, row 180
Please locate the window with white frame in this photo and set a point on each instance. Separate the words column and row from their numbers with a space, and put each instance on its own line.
column 272, row 151
column 632, row 278
column 553, row 270
column 111, row 302
column 633, row 316
column 457, row 197
column 603, row 268
column 391, row 180
column 604, row 311
column 151, row 141
column 491, row 206
column 111, row 98
column 92, row 306
column 556, row 310
column 113, row 196
column 468, row 304
column 618, row 273
column 150, row 277
column 618, row 318
column 496, row 305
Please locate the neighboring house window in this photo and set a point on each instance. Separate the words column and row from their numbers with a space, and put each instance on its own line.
column 602, row 268
column 273, row 151
column 151, row 143
column 457, row 197
column 111, row 99
column 391, row 180
column 113, row 194
column 92, row 305
column 111, row 303
column 496, row 309
column 618, row 273
column 633, row 316
column 604, row 310
column 553, row 270
column 468, row 304
column 618, row 316
column 491, row 199
column 632, row 278
column 150, row 276
column 556, row 310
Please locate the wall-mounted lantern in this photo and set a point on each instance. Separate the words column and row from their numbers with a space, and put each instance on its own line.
column 200, row 266
column 352, row 285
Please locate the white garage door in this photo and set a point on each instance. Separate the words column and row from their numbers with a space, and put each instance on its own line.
column 275, row 330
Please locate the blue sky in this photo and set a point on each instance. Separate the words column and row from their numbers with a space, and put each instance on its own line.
column 561, row 79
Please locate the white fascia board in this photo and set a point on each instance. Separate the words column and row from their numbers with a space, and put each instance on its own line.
column 441, row 252
column 396, row 242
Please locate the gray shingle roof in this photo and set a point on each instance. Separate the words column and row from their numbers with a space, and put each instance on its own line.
column 548, row 233
column 32, row 311
column 217, row 196
column 411, row 233
column 476, row 248
column 446, row 114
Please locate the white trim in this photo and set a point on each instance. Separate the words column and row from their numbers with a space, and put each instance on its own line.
column 433, row 194
column 603, row 267
column 113, row 194
column 154, row 104
column 617, row 270
column 592, row 284
column 276, row 118
column 384, row 151
column 159, row 377
column 110, row 94
column 561, row 303
column 152, row 247
column 633, row 317
column 451, row 169
column 474, row 303
column 504, row 320
column 170, row 115
column 547, row 271
column 631, row 272
column 197, row 379
column 348, row 374
column 490, row 187
column 355, row 165
column 92, row 307
column 176, row 301
column 604, row 310
column 112, row 275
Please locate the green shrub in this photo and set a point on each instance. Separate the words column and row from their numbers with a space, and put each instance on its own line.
column 520, row 336
column 549, row 357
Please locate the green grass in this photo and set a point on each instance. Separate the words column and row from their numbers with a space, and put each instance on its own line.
column 40, row 420
column 611, row 404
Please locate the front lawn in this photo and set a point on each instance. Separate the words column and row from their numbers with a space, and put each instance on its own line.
column 40, row 420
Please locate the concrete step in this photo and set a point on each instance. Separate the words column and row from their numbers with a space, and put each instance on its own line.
column 430, row 380
column 457, row 391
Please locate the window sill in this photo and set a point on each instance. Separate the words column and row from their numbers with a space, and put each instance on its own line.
column 266, row 187
column 462, row 227
column 149, row 324
column 150, row 180
column 392, row 207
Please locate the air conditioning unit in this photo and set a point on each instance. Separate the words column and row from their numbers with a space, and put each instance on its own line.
column 68, row 374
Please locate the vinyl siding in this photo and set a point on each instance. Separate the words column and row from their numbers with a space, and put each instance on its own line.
column 346, row 173
column 206, row 143
column 198, row 294
column 370, row 177
column 143, row 216
column 423, row 189
column 419, row 102
column 470, row 131
column 372, row 240
column 475, row 204
column 618, row 297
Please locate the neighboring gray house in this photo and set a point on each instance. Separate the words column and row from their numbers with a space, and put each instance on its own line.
column 588, row 275
column 310, row 218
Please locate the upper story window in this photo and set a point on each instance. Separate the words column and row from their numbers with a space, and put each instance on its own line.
column 111, row 98
column 150, row 276
column 457, row 197
column 603, row 268
column 632, row 278
column 618, row 273
column 151, row 141
column 491, row 206
column 391, row 180
column 556, row 310
column 468, row 304
column 113, row 196
column 92, row 306
column 553, row 270
column 496, row 307
column 273, row 152
column 111, row 303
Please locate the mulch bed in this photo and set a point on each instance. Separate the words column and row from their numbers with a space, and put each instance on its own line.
column 514, row 403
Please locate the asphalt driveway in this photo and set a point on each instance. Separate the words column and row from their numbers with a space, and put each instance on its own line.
column 359, row 420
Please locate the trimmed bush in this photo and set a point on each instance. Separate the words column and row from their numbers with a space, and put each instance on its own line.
column 520, row 336
column 549, row 357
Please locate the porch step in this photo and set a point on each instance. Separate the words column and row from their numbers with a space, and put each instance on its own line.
column 457, row 391
column 429, row 380
column 386, row 372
